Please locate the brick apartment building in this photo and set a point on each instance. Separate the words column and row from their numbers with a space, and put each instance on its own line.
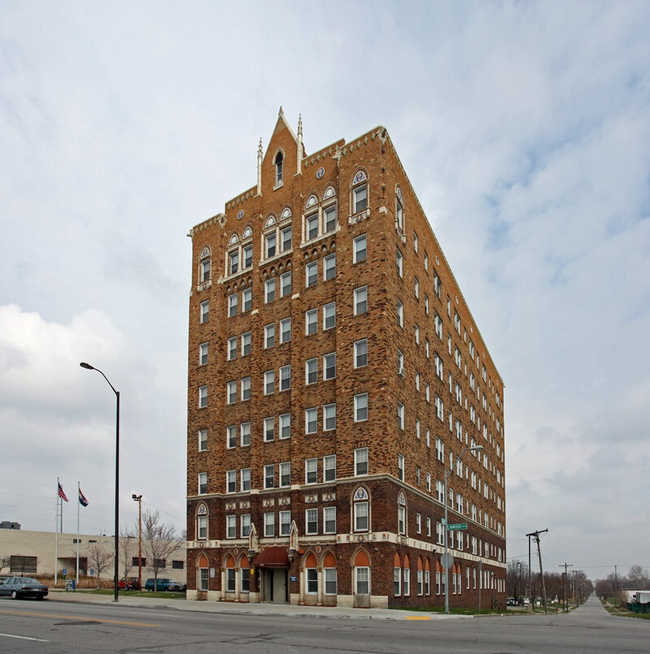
column 335, row 374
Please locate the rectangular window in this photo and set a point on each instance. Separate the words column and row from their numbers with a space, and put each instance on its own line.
column 233, row 262
column 400, row 313
column 231, row 392
column 312, row 576
column 311, row 371
column 362, row 579
column 400, row 263
column 285, row 330
column 360, row 251
column 285, row 474
column 311, row 522
column 329, row 267
column 247, row 252
column 203, row 397
column 361, row 353
column 205, row 270
column 361, row 461
column 269, row 382
column 231, row 526
column 311, row 471
column 311, row 321
column 269, row 290
column 270, row 244
column 285, row 284
column 269, row 476
column 361, row 516
column 397, row 581
column 400, row 362
column 203, row 354
column 400, row 415
column 203, row 440
column 247, row 299
column 329, row 520
column 416, row 288
column 204, row 315
column 329, row 316
column 311, row 420
column 360, row 199
column 329, row 218
column 232, row 348
column 203, row 483
column 285, row 523
column 329, row 366
column 231, row 481
column 245, row 479
column 330, row 581
column 360, row 300
column 329, row 417
column 269, row 525
column 311, row 274
column 246, row 388
column 285, row 378
column 407, row 581
column 246, row 340
column 311, row 226
column 245, row 522
column 285, row 425
column 401, row 463
column 269, row 335
column 286, row 235
column 245, row 433
column 329, row 467
column 269, row 429
column 418, row 523
column 233, row 301
column 231, row 437
column 202, row 528
column 361, row 407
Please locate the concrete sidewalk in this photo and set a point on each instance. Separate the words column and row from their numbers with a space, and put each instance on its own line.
column 229, row 608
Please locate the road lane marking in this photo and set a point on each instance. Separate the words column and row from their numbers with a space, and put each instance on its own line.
column 77, row 617
column 418, row 617
column 38, row 640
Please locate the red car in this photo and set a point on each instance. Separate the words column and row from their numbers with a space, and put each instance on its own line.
column 130, row 583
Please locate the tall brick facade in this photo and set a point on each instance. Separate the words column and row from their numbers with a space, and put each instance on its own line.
column 335, row 374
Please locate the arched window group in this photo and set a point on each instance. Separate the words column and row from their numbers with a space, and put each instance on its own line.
column 320, row 218
column 240, row 252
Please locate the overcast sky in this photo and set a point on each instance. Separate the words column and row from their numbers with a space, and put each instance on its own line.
column 525, row 130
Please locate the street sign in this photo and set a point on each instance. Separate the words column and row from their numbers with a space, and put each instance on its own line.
column 460, row 525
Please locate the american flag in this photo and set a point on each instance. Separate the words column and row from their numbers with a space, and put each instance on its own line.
column 61, row 493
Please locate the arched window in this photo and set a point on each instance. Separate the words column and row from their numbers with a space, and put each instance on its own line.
column 202, row 522
column 361, row 509
column 401, row 514
column 362, row 573
column 205, row 265
column 359, row 192
column 278, row 168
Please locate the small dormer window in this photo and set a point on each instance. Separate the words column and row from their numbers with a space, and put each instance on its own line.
column 278, row 168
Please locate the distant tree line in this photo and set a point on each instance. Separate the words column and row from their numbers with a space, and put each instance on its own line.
column 636, row 579
column 576, row 585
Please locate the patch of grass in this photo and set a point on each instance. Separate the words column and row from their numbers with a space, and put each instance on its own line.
column 622, row 612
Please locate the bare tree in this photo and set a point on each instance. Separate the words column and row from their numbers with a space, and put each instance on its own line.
column 516, row 579
column 638, row 578
column 99, row 558
column 126, row 546
column 159, row 541
column 5, row 562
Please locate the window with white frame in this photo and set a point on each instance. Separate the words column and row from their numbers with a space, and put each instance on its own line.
column 204, row 266
column 285, row 378
column 202, row 526
column 269, row 476
column 285, row 330
column 361, row 407
column 203, row 354
column 203, row 397
column 397, row 581
column 437, row 325
column 269, row 290
column 400, row 313
column 232, row 348
column 440, row 408
column 204, row 312
column 361, row 353
column 246, row 388
column 231, row 481
column 361, row 514
column 269, row 335
column 245, row 433
column 203, row 440
column 203, row 483
column 285, row 284
column 329, row 520
column 231, row 392
column 285, row 523
column 246, row 299
column 416, row 242
column 361, row 461
column 285, row 474
column 329, row 366
column 400, row 362
column 269, row 429
column 269, row 525
column 311, row 524
column 311, row 420
column 399, row 209
column 311, row 274
column 245, row 479
column 329, row 467
column 416, row 288
column 329, row 218
column 400, row 263
column 231, row 436
column 401, row 465
column 233, row 304
column 329, row 316
column 437, row 286
column 245, row 525
column 231, row 526
column 360, row 300
column 311, row 321
column 279, row 164
column 286, row 238
column 311, row 471
column 330, row 581
column 400, row 415
column 311, row 371
column 246, row 340
column 311, row 226
column 406, row 586
column 329, row 267
column 360, row 249
column 269, row 382
column 359, row 192
column 270, row 244
column 329, row 417
column 284, row 421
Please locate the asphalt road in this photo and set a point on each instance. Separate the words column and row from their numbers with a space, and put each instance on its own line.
column 52, row 627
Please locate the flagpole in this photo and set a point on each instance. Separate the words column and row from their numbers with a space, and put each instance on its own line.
column 56, row 538
column 78, row 505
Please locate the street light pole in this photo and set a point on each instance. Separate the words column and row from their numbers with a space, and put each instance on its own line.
column 476, row 448
column 138, row 499
column 87, row 366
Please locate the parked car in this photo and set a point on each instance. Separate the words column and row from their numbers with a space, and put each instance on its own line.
column 130, row 583
column 164, row 585
column 17, row 587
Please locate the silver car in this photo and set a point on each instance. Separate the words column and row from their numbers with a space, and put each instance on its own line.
column 17, row 587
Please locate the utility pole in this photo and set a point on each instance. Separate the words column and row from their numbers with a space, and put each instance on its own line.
column 564, row 577
column 536, row 534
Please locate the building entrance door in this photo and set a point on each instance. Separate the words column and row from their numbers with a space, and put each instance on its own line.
column 274, row 585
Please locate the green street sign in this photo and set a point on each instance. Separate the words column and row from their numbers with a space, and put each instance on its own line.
column 460, row 525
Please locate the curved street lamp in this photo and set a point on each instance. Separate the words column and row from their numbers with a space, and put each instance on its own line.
column 476, row 448
column 87, row 366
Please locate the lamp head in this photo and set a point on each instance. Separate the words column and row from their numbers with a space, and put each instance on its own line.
column 87, row 366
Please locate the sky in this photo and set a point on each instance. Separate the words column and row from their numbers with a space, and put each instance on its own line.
column 524, row 128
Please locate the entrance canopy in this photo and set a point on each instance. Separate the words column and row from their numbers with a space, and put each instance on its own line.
column 272, row 557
